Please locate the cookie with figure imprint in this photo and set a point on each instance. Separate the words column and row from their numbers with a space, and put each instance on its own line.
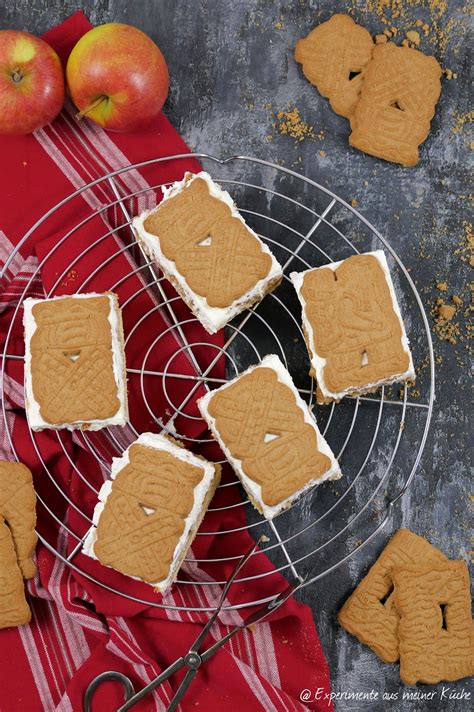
column 353, row 327
column 17, row 541
column 269, row 436
column 150, row 509
column 333, row 56
column 215, row 261
column 75, row 376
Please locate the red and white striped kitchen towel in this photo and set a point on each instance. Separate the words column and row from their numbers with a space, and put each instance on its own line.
column 78, row 629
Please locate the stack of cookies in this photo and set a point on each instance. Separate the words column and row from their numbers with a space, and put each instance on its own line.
column 17, row 541
column 414, row 605
column 388, row 93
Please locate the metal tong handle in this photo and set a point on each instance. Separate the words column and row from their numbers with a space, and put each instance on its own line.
column 125, row 682
column 192, row 659
column 193, row 651
column 130, row 701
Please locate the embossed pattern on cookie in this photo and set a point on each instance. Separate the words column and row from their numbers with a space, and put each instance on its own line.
column 369, row 613
column 145, row 511
column 75, row 365
column 354, row 332
column 436, row 630
column 218, row 265
column 17, row 541
column 213, row 250
column 397, row 102
column 150, row 510
column 269, row 436
column 333, row 56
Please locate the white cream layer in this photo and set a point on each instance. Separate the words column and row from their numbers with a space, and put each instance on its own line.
column 318, row 362
column 157, row 442
column 32, row 406
column 212, row 318
column 254, row 489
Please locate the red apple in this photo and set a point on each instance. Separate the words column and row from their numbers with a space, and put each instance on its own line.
column 31, row 83
column 117, row 77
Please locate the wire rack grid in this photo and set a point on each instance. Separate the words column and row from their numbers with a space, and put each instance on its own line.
column 378, row 439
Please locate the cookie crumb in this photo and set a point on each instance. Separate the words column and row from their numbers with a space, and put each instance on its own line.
column 354, row 202
column 290, row 123
column 381, row 39
column 413, row 37
column 322, row 153
column 460, row 120
column 449, row 74
column 446, row 311
column 444, row 327
column 442, row 286
column 69, row 278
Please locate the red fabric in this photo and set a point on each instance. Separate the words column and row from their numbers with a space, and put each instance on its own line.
column 78, row 628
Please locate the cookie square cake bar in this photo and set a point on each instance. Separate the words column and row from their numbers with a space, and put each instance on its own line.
column 199, row 240
column 353, row 326
column 149, row 511
column 269, row 436
column 74, row 362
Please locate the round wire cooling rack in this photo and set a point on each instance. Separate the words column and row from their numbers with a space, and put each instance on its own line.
column 378, row 439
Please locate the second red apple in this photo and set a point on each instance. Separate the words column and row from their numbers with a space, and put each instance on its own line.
column 117, row 77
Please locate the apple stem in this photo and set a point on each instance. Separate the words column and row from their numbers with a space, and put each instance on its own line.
column 17, row 76
column 80, row 114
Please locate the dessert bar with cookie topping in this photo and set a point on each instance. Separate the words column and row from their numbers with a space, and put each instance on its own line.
column 74, row 362
column 150, row 510
column 269, row 436
column 353, row 326
column 197, row 237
